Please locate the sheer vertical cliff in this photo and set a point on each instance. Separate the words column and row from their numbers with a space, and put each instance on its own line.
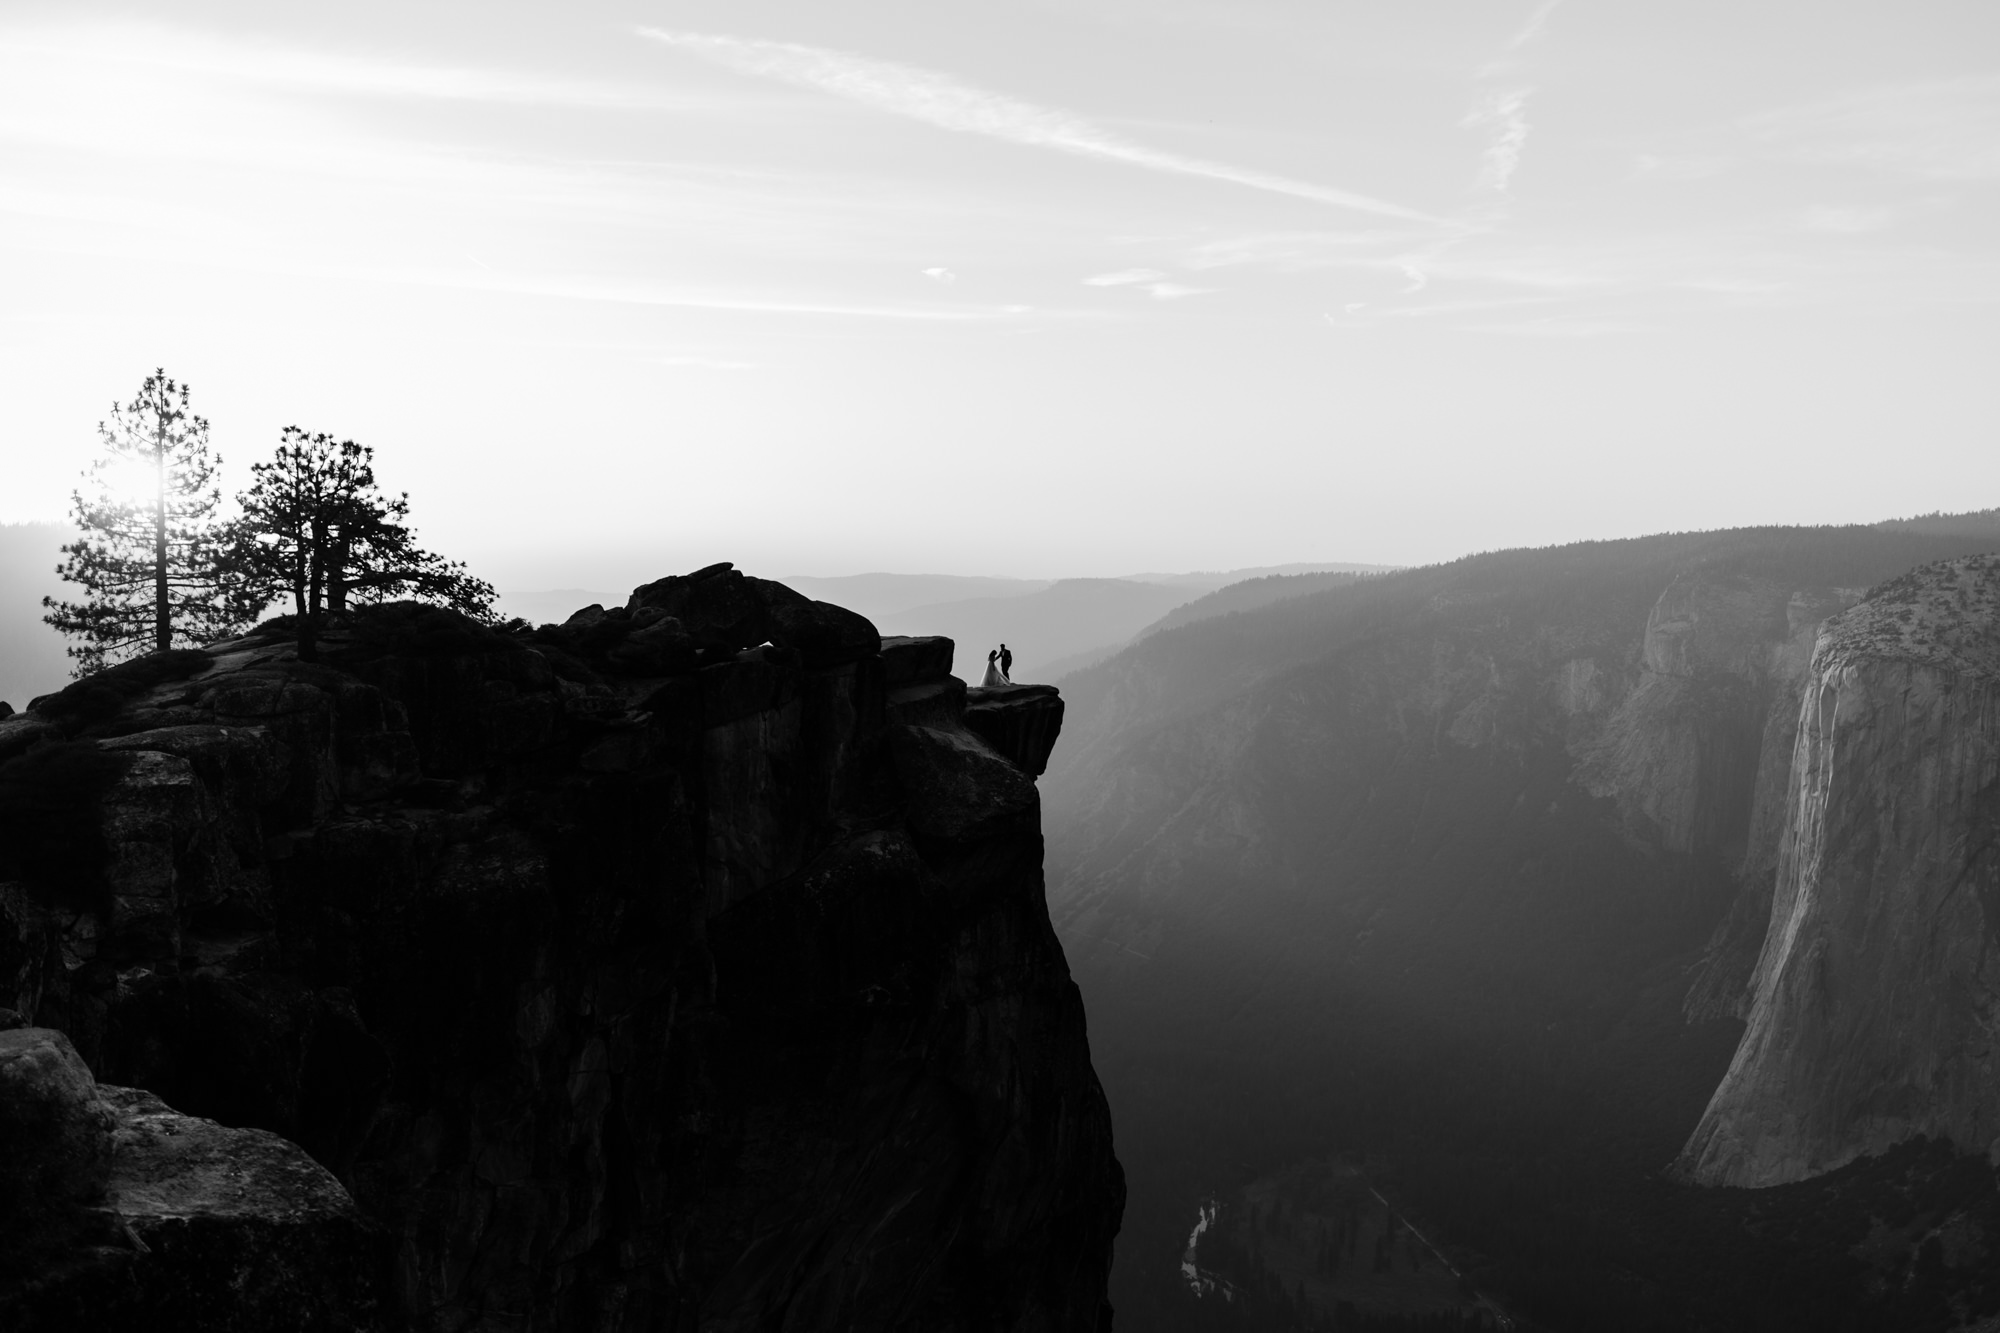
column 1442, row 862
column 686, row 965
column 1875, row 1002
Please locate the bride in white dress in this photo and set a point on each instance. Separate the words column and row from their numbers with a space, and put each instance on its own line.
column 993, row 676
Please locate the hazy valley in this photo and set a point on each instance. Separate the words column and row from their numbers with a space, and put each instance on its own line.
column 1456, row 941
column 1222, row 666
column 1465, row 873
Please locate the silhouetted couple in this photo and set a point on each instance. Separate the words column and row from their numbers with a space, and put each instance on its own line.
column 999, row 663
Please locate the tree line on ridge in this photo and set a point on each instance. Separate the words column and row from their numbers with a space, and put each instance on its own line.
column 160, row 565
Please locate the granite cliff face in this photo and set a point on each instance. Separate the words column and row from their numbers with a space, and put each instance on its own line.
column 1441, row 864
column 1676, row 710
column 1699, row 754
column 685, row 965
column 1876, row 997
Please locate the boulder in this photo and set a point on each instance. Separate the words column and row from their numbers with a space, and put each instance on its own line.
column 661, row 646
column 200, row 1228
column 55, row 1145
column 823, row 634
column 722, row 610
column 21, row 732
column 915, row 659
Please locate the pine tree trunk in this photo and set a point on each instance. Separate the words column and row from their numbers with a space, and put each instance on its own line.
column 163, row 624
column 308, row 642
column 315, row 585
column 336, row 574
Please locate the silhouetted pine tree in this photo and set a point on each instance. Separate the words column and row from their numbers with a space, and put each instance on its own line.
column 150, row 557
column 316, row 525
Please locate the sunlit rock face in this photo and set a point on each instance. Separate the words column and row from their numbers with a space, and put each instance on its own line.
column 1698, row 751
column 1677, row 750
column 1876, row 997
column 686, row 965
column 1677, row 710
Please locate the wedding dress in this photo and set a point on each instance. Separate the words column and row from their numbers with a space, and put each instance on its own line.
column 992, row 676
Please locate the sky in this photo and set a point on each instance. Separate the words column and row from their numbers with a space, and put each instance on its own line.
column 1027, row 287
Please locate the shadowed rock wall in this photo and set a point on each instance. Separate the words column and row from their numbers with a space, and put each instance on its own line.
column 686, row 965
column 118, row 1212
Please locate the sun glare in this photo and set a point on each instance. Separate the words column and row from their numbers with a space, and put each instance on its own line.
column 131, row 481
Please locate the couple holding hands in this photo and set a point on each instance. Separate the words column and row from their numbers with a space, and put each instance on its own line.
column 999, row 666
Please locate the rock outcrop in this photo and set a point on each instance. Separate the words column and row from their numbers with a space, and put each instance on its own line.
column 119, row 1212
column 1020, row 721
column 685, row 965
column 1876, row 997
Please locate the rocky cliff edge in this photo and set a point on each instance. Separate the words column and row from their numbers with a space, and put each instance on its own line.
column 1876, row 997
column 682, row 966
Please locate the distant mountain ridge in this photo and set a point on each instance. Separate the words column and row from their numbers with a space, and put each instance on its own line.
column 1052, row 625
column 1251, row 593
column 1212, row 579
column 879, row 596
column 1068, row 617
column 32, row 660
column 1985, row 521
column 1075, row 623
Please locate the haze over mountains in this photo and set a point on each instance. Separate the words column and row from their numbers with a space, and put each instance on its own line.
column 1456, row 890
column 32, row 660
column 1464, row 871
column 1068, row 623
column 1053, row 625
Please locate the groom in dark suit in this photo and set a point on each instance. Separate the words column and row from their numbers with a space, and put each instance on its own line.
column 1006, row 663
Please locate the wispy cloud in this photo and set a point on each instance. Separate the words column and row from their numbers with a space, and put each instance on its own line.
column 295, row 69
column 943, row 275
column 1533, row 27
column 1577, row 283
column 1502, row 110
column 940, row 100
column 1944, row 130
column 1148, row 280
column 543, row 284
column 1507, row 60
column 1123, row 276
column 1293, row 250
column 1506, row 114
